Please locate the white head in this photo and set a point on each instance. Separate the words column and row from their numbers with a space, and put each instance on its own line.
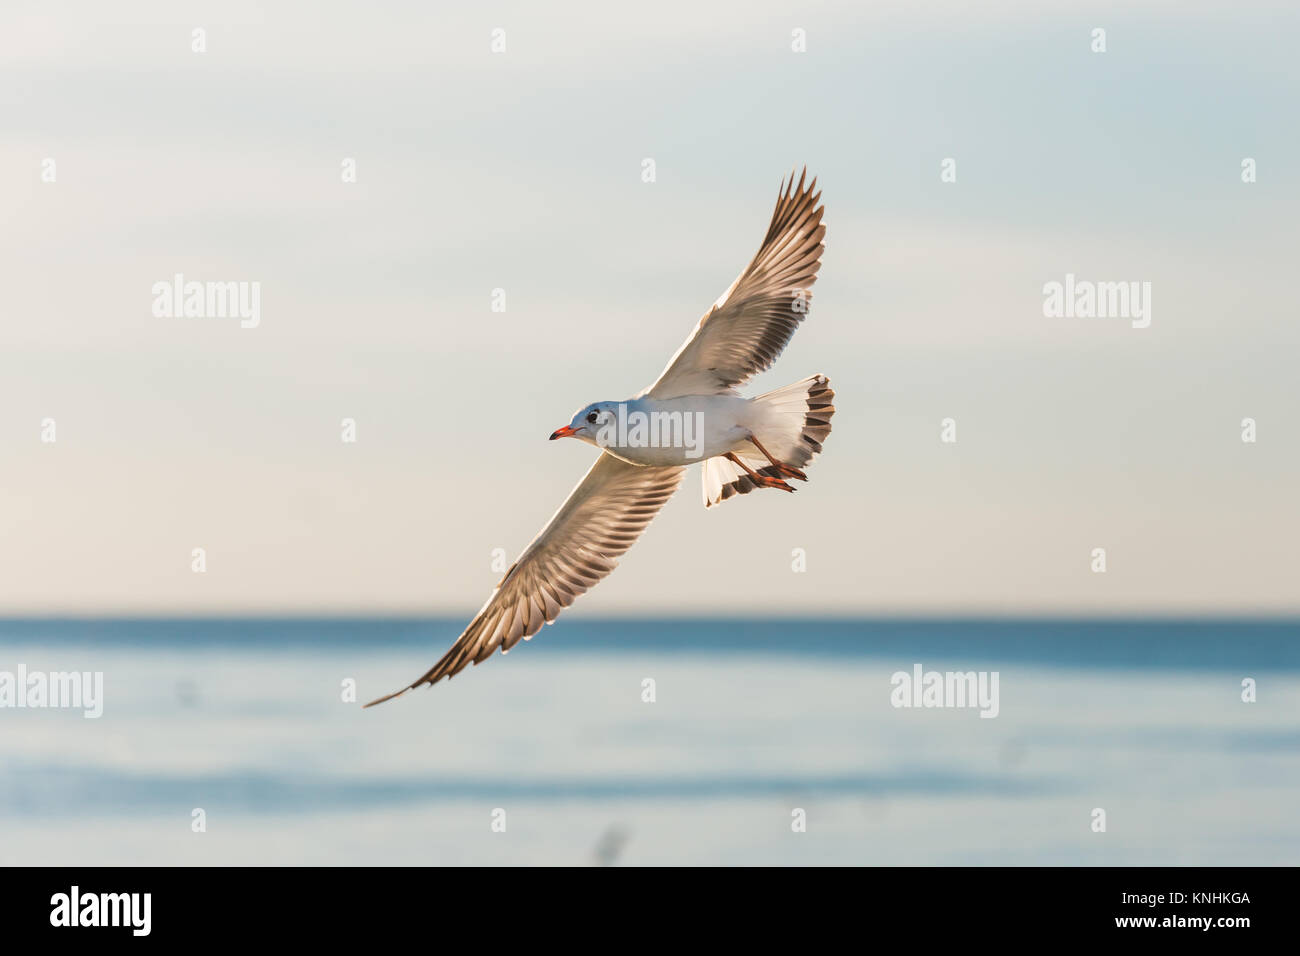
column 588, row 422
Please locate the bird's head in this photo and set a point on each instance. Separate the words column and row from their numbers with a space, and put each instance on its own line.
column 587, row 423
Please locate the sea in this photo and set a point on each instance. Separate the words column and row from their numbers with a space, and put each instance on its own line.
column 655, row 742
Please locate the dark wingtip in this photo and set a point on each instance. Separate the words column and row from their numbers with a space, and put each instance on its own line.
column 380, row 700
column 788, row 188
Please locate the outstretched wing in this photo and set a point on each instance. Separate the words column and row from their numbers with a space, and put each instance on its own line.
column 603, row 516
column 748, row 327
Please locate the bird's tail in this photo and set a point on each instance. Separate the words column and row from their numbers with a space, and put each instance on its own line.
column 790, row 423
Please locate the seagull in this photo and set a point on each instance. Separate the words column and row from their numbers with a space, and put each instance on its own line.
column 692, row 413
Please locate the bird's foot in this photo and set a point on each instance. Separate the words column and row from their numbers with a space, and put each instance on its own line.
column 764, row 481
column 760, row 480
column 781, row 468
column 788, row 471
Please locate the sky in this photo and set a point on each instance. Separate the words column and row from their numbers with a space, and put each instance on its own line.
column 522, row 170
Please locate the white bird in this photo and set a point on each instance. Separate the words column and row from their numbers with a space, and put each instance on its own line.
column 691, row 413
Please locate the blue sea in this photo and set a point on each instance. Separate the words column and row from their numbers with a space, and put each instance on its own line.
column 655, row 742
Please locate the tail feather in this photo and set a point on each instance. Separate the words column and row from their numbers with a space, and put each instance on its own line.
column 793, row 423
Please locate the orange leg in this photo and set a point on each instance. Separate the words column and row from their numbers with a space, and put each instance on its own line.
column 786, row 471
column 761, row 480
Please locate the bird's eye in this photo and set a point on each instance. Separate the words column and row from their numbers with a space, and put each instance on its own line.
column 592, row 418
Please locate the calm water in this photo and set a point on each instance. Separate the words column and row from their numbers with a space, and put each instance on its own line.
column 751, row 721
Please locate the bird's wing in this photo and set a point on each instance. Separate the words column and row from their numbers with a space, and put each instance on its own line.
column 604, row 514
column 753, row 321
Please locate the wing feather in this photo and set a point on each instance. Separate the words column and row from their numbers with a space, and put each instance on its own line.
column 581, row 544
column 753, row 321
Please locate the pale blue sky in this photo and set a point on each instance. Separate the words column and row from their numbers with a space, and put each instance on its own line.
column 521, row 171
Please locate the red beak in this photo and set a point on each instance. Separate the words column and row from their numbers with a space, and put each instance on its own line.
column 564, row 432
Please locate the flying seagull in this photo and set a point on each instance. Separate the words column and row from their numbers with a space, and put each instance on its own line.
column 691, row 413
